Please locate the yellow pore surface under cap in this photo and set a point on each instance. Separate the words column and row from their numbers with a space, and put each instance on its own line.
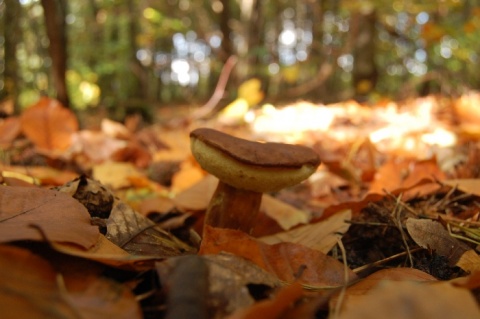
column 247, row 176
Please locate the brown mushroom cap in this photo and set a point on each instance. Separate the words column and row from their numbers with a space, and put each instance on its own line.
column 255, row 166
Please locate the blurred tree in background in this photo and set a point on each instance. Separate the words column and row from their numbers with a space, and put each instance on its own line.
column 129, row 55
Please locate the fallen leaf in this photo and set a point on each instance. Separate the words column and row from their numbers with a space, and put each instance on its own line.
column 160, row 204
column 42, row 175
column 115, row 129
column 288, row 261
column 406, row 300
column 10, row 129
column 228, row 277
column 108, row 253
column 31, row 288
column 467, row 185
column 140, row 236
column 397, row 174
column 116, row 175
column 272, row 308
column 97, row 146
column 60, row 217
column 430, row 234
column 469, row 261
column 189, row 174
column 177, row 145
column 49, row 125
column 197, row 197
column 470, row 282
column 285, row 215
column 322, row 236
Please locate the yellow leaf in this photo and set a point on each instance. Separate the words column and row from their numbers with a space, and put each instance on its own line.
column 234, row 112
column 251, row 91
column 469, row 261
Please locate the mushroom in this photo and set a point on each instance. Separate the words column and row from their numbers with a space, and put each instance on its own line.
column 245, row 170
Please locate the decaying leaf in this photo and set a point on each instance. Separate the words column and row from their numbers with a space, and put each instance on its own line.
column 406, row 300
column 115, row 175
column 60, row 217
column 469, row 261
column 321, row 236
column 290, row 262
column 272, row 308
column 284, row 214
column 467, row 185
column 140, row 236
column 10, row 129
column 31, row 288
column 92, row 194
column 228, row 279
column 406, row 174
column 197, row 197
column 430, row 234
column 189, row 271
column 107, row 253
column 49, row 125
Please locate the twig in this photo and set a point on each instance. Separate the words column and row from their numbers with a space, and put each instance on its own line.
column 380, row 262
column 341, row 295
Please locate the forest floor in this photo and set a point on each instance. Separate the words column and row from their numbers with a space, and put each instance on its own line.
column 108, row 219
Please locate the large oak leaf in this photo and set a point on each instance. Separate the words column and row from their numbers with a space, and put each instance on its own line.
column 49, row 125
column 29, row 213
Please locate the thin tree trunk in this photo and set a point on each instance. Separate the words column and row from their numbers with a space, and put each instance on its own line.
column 225, row 17
column 12, row 37
column 365, row 71
column 54, row 13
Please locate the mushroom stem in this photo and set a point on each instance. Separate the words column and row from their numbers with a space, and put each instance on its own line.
column 233, row 208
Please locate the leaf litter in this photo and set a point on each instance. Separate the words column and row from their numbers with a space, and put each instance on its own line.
column 389, row 220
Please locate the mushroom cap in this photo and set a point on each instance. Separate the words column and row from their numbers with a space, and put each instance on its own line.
column 248, row 165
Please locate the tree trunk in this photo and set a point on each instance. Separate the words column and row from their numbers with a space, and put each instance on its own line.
column 54, row 13
column 365, row 71
column 12, row 37
column 225, row 17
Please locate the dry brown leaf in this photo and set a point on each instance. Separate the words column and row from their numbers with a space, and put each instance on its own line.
column 107, row 253
column 467, row 185
column 60, row 217
column 156, row 205
column 31, row 288
column 140, row 236
column 49, row 125
column 470, row 282
column 42, row 175
column 97, row 146
column 285, row 215
column 365, row 285
column 189, row 174
column 10, row 129
column 355, row 294
column 228, row 278
column 178, row 145
column 288, row 261
column 466, row 109
column 321, row 236
column 116, row 175
column 407, row 300
column 469, row 261
column 115, row 129
column 430, row 234
column 397, row 174
column 197, row 197
column 272, row 308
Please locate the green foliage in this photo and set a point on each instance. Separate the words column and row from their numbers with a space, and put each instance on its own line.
column 121, row 51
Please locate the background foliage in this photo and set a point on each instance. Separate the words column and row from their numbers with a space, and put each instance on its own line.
column 126, row 55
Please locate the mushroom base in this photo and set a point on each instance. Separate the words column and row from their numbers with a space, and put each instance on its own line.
column 233, row 208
